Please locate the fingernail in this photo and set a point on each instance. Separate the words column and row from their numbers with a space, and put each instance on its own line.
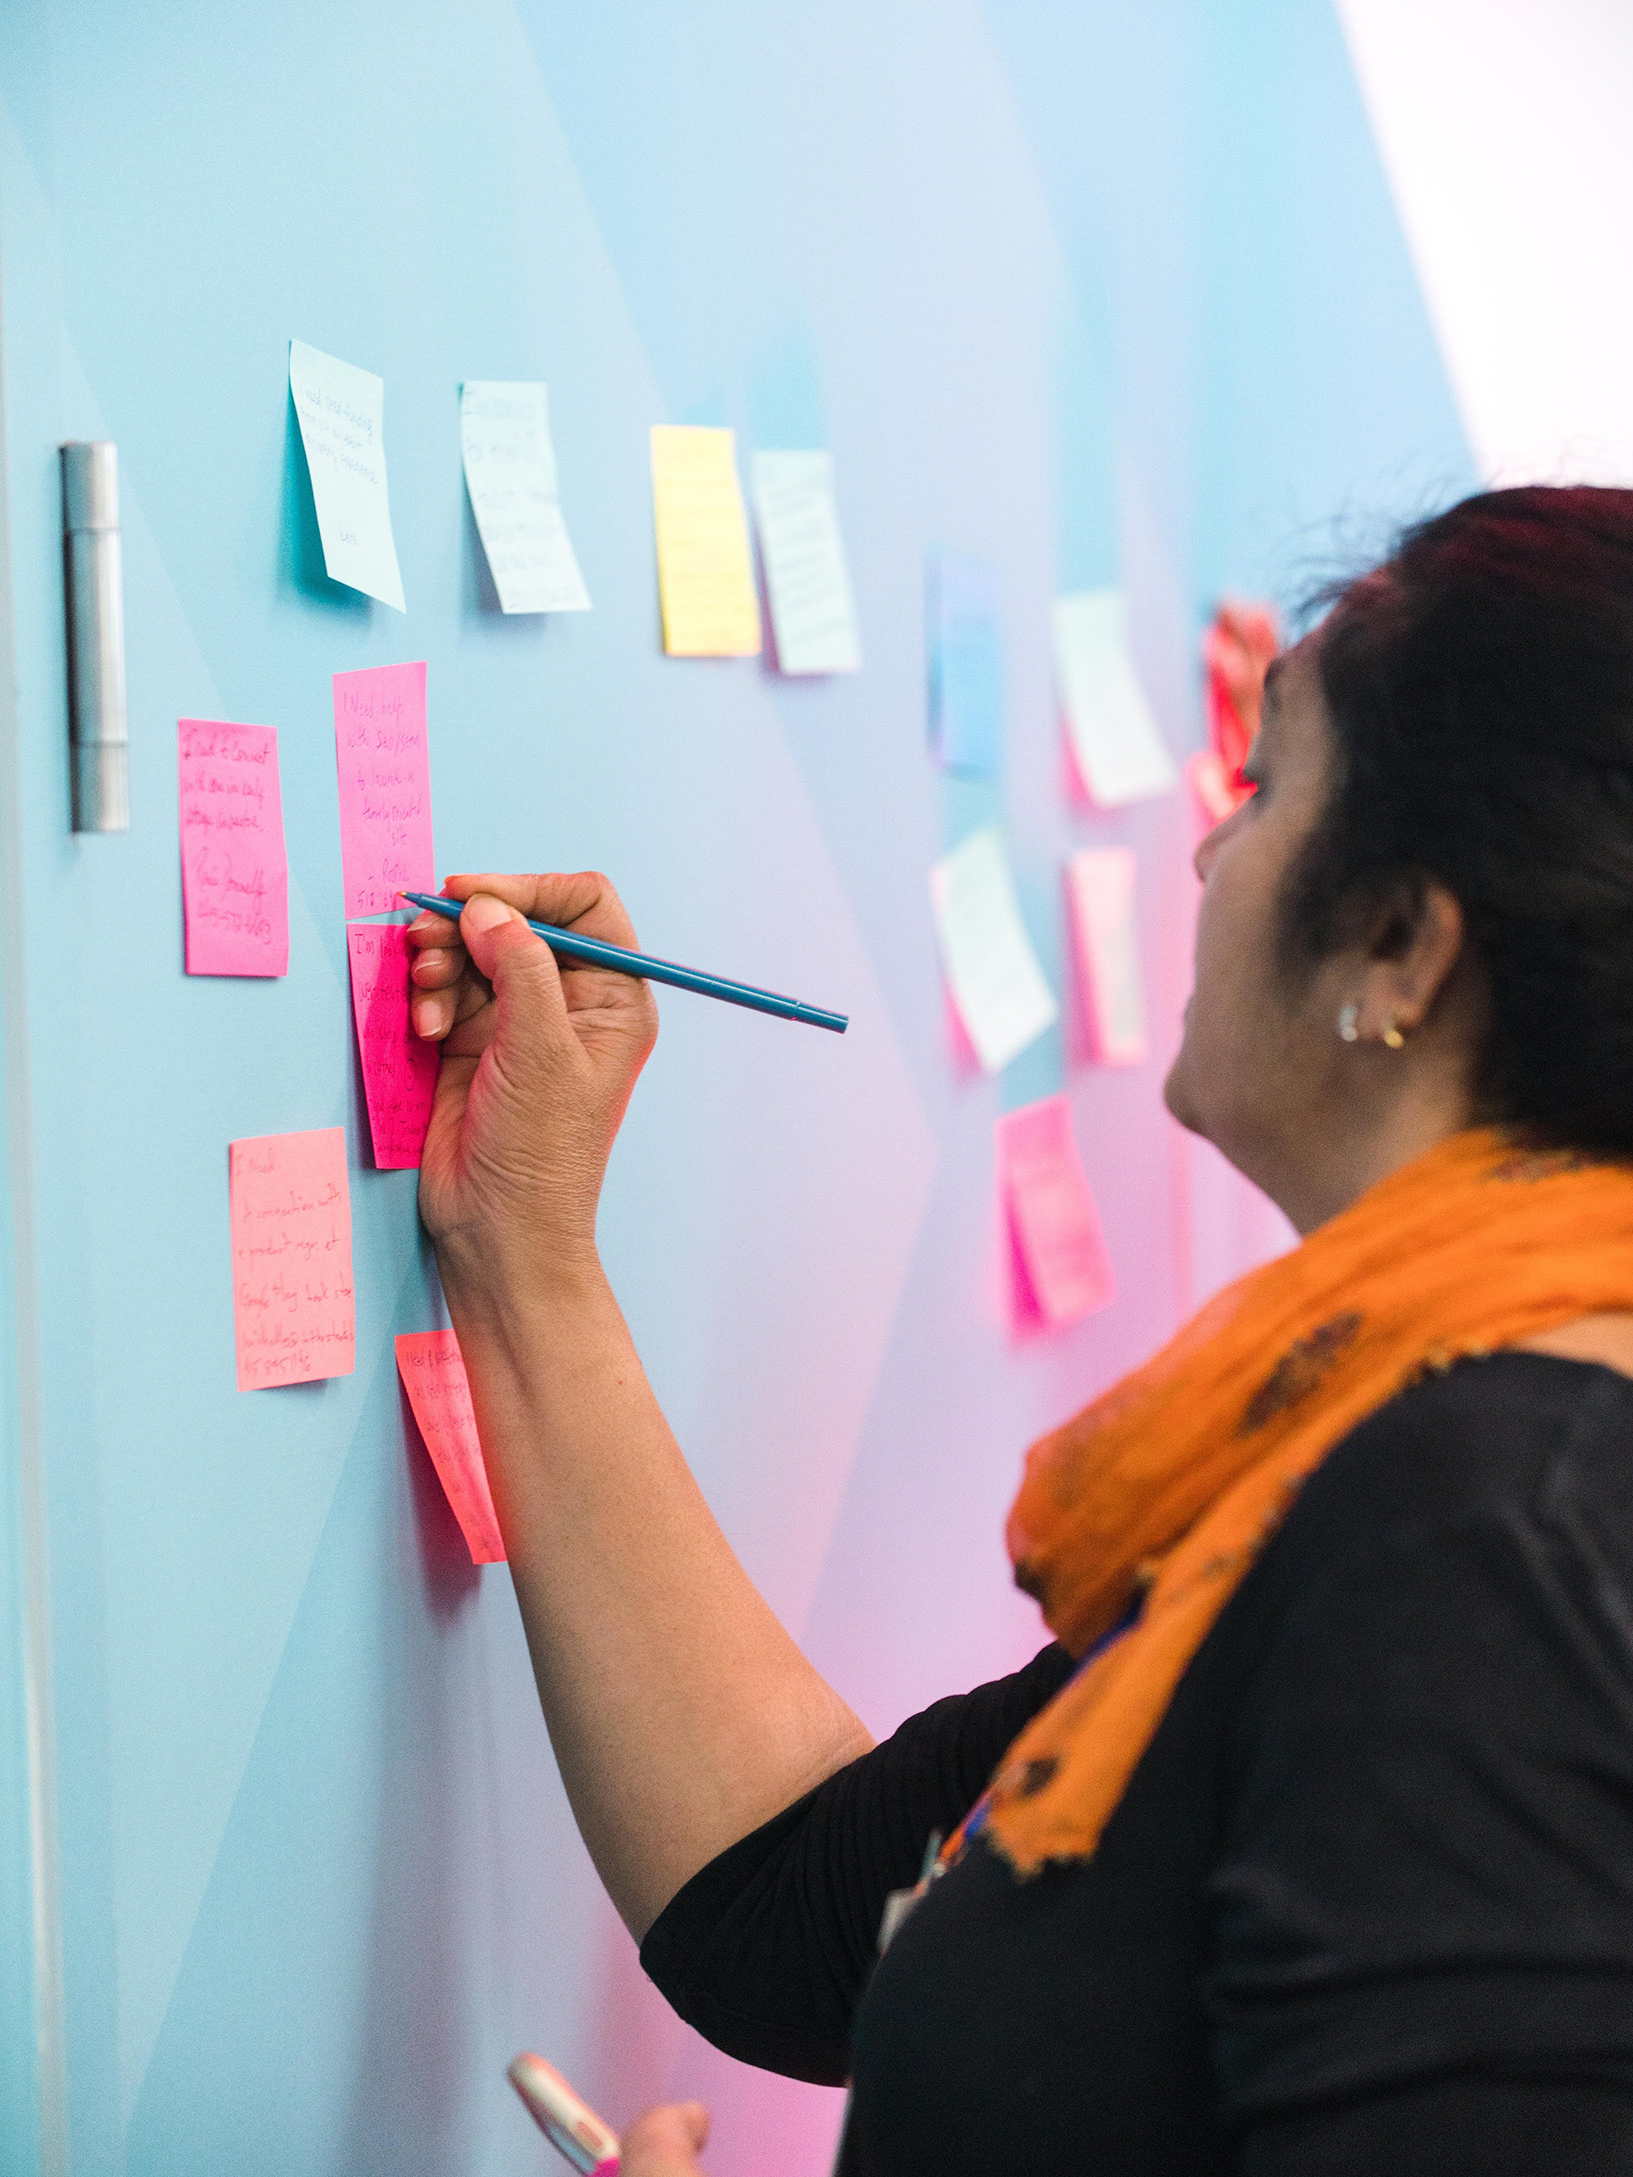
column 428, row 1016
column 485, row 912
column 424, row 920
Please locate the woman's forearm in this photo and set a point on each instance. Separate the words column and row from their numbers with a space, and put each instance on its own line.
column 681, row 1713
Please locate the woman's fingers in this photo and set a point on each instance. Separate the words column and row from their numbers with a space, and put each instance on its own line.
column 665, row 2142
column 583, row 901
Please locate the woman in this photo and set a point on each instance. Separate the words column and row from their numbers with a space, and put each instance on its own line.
column 1321, row 1863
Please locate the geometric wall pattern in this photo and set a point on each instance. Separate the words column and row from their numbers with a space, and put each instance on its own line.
column 1104, row 294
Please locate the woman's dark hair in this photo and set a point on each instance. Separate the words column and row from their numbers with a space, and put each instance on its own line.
column 1480, row 684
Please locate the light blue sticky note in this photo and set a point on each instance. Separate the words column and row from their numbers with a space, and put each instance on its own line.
column 966, row 665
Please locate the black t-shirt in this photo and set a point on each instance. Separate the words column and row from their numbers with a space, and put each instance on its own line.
column 1366, row 1907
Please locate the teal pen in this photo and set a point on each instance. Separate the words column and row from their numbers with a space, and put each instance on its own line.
column 595, row 954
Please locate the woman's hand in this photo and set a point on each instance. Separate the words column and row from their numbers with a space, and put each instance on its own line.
column 538, row 1062
column 665, row 2142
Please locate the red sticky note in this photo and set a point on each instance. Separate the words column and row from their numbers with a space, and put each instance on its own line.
column 399, row 1071
column 291, row 1258
column 234, row 874
column 433, row 1372
column 385, row 787
column 1053, row 1222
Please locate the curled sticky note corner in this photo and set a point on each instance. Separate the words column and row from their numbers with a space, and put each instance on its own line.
column 433, row 1372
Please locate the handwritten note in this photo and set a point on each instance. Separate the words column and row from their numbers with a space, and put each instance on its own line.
column 705, row 574
column 341, row 412
column 1100, row 895
column 991, row 969
column 966, row 665
column 385, row 786
column 1054, row 1225
column 291, row 1258
column 234, row 874
column 510, row 473
column 813, row 614
column 433, row 1372
column 399, row 1070
column 1119, row 752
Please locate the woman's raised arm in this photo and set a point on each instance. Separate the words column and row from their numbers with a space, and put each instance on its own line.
column 681, row 1713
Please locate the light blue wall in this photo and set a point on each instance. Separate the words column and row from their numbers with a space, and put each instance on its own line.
column 1099, row 292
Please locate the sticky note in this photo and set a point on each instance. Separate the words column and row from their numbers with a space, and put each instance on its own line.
column 433, row 1372
column 510, row 473
column 813, row 614
column 1100, row 896
column 991, row 968
column 341, row 412
column 1119, row 752
column 966, row 665
column 234, row 874
column 399, row 1069
column 1053, row 1222
column 705, row 574
column 385, row 786
column 291, row 1257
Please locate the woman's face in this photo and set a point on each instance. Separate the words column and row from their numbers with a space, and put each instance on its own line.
column 1256, row 1072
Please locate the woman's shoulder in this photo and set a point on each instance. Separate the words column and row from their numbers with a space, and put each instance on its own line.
column 1513, row 1435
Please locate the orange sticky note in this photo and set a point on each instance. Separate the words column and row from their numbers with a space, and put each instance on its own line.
column 705, row 574
column 1054, row 1225
column 433, row 1372
column 399, row 1070
column 291, row 1258
column 1100, row 892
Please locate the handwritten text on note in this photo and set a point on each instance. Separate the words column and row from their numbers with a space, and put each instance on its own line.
column 291, row 1258
column 234, row 875
column 399, row 1070
column 1054, row 1225
column 510, row 472
column 705, row 574
column 992, row 971
column 385, row 787
column 341, row 412
column 433, row 1372
column 812, row 611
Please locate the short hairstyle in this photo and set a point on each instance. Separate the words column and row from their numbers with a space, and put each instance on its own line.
column 1480, row 687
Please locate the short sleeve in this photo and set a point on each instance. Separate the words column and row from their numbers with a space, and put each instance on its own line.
column 1427, row 1858
column 767, row 1949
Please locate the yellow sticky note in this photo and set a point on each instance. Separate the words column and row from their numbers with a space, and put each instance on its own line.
column 705, row 574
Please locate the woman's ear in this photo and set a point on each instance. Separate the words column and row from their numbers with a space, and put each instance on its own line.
column 1416, row 945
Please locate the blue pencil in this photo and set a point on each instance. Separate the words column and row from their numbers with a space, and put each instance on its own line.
column 595, row 954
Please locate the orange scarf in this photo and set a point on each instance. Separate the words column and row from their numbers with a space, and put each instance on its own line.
column 1169, row 1485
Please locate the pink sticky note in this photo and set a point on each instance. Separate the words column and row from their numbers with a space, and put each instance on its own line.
column 433, row 1372
column 234, row 875
column 399, row 1071
column 291, row 1258
column 385, row 787
column 1100, row 893
column 1053, row 1221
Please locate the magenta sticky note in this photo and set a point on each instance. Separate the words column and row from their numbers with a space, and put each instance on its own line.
column 234, row 874
column 385, row 787
column 433, row 1372
column 291, row 1258
column 1100, row 895
column 1053, row 1221
column 399, row 1071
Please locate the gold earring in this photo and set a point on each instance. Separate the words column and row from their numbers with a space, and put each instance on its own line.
column 1392, row 1037
column 1349, row 1018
